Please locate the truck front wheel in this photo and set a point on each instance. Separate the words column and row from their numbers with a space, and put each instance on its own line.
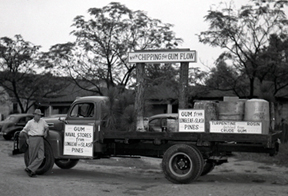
column 182, row 163
column 48, row 161
column 66, row 163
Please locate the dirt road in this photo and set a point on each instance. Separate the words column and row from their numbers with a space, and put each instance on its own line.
column 138, row 176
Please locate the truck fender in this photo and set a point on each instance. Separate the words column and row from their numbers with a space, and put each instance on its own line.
column 54, row 138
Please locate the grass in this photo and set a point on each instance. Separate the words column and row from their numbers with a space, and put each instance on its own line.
column 281, row 159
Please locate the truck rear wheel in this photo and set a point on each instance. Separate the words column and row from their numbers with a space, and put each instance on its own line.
column 48, row 161
column 66, row 163
column 182, row 163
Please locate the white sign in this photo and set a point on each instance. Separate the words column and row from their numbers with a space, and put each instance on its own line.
column 162, row 57
column 249, row 127
column 78, row 140
column 235, row 127
column 222, row 126
column 191, row 120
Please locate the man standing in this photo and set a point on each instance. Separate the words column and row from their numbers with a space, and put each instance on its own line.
column 36, row 129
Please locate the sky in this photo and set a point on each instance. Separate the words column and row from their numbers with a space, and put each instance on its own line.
column 48, row 22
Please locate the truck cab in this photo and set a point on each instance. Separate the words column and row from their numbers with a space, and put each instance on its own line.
column 83, row 111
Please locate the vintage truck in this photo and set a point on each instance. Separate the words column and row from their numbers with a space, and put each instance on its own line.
column 185, row 155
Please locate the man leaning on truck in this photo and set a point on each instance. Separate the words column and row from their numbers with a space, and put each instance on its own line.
column 36, row 129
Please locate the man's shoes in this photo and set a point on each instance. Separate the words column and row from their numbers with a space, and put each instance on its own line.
column 29, row 172
column 32, row 174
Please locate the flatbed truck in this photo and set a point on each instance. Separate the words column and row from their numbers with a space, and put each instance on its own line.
column 185, row 155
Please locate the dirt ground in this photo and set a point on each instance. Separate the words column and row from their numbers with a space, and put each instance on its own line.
column 138, row 176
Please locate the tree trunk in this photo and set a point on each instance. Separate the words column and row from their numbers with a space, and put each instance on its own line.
column 183, row 97
column 139, row 99
column 252, row 87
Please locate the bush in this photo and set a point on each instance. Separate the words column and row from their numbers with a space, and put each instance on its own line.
column 118, row 112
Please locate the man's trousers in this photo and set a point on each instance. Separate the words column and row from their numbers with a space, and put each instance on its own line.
column 36, row 152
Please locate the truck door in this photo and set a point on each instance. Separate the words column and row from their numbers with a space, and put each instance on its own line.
column 85, row 113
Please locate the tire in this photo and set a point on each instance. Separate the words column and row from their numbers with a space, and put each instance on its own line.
column 48, row 161
column 66, row 163
column 7, row 137
column 207, row 168
column 11, row 134
column 182, row 163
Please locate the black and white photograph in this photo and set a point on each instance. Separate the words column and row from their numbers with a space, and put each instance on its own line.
column 136, row 98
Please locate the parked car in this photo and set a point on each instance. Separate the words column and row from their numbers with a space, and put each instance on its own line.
column 163, row 123
column 53, row 121
column 13, row 123
column 55, row 116
column 58, row 115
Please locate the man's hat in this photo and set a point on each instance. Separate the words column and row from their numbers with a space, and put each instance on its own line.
column 38, row 111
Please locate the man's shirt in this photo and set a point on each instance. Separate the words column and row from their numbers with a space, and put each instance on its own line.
column 35, row 128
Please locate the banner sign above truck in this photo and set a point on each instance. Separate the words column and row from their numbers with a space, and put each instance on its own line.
column 191, row 120
column 78, row 140
column 235, row 127
column 162, row 56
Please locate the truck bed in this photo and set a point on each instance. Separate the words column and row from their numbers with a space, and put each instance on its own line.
column 221, row 142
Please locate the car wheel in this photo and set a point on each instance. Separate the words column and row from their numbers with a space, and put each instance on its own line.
column 7, row 137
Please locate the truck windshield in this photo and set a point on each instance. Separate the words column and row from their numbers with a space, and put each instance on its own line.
column 83, row 110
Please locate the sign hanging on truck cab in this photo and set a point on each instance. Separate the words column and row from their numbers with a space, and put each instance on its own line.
column 78, row 140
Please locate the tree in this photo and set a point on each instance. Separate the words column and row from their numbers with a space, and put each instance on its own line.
column 118, row 112
column 57, row 58
column 157, row 74
column 18, row 73
column 244, row 33
column 227, row 78
column 197, row 76
column 273, row 70
column 103, row 42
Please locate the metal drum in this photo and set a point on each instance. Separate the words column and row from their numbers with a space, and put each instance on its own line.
column 257, row 110
column 231, row 110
